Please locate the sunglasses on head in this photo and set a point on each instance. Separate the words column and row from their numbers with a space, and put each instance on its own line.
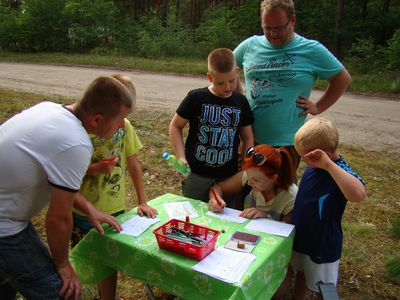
column 258, row 158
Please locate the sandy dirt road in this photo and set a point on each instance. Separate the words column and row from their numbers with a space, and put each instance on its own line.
column 367, row 121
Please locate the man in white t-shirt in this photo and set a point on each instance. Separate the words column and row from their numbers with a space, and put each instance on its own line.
column 44, row 153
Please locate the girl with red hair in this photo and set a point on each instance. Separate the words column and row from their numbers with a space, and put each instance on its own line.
column 269, row 172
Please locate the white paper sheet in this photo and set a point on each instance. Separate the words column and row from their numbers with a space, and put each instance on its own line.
column 270, row 226
column 228, row 214
column 137, row 225
column 226, row 265
column 179, row 210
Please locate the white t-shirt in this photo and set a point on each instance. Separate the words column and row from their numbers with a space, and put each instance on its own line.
column 42, row 146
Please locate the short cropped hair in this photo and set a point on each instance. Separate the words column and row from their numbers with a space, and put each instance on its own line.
column 105, row 96
column 128, row 83
column 221, row 60
column 317, row 133
column 286, row 5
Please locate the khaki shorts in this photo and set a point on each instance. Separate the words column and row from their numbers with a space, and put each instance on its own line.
column 315, row 273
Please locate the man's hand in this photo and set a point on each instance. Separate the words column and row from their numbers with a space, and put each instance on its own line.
column 97, row 217
column 144, row 209
column 308, row 106
column 70, row 282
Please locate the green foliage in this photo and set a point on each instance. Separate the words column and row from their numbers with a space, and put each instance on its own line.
column 216, row 30
column 155, row 40
column 91, row 24
column 393, row 51
column 39, row 26
column 394, row 269
column 365, row 57
column 225, row 27
column 396, row 228
column 10, row 35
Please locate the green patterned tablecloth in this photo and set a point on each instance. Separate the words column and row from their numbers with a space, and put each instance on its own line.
column 96, row 256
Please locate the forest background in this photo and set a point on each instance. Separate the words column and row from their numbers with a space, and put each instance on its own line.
column 177, row 35
column 364, row 34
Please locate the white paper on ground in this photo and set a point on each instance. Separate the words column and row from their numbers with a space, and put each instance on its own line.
column 226, row 265
column 137, row 225
column 270, row 226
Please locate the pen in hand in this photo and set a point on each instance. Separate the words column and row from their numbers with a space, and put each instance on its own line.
column 216, row 197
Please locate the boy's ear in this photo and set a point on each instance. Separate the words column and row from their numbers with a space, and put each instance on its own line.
column 95, row 120
column 237, row 70
column 209, row 77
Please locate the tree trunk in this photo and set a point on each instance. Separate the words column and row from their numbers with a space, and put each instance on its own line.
column 364, row 11
column 338, row 27
column 383, row 36
column 164, row 13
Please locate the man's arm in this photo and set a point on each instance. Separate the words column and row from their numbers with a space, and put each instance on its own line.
column 337, row 85
column 96, row 217
column 176, row 136
column 58, row 229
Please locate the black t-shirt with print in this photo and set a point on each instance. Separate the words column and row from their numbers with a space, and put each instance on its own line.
column 211, row 147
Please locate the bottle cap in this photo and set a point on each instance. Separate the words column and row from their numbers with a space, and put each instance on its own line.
column 165, row 155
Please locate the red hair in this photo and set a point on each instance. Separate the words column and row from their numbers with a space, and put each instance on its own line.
column 278, row 161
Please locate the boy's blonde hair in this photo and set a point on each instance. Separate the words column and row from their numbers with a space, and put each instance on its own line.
column 317, row 133
column 221, row 60
column 128, row 83
column 286, row 5
column 105, row 96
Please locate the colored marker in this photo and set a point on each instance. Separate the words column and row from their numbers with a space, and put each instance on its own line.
column 216, row 198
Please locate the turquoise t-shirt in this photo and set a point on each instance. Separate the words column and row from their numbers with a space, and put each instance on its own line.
column 276, row 77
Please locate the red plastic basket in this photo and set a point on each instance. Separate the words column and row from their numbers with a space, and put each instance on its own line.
column 187, row 249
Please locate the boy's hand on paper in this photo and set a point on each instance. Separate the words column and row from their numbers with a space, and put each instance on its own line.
column 252, row 213
column 147, row 210
column 213, row 205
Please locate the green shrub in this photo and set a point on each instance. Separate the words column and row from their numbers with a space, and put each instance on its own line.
column 394, row 269
column 365, row 57
column 91, row 24
column 155, row 40
column 41, row 27
column 393, row 52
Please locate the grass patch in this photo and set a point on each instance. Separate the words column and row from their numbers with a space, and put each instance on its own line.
column 369, row 268
column 168, row 65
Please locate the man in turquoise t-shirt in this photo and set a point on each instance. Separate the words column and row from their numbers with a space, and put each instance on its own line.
column 280, row 70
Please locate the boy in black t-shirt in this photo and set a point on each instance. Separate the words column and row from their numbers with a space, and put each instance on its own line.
column 218, row 119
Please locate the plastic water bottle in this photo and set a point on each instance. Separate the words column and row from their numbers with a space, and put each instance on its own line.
column 176, row 164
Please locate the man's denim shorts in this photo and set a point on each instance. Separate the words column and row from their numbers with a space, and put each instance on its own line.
column 26, row 267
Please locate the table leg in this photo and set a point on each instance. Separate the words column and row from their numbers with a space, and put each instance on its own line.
column 149, row 292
